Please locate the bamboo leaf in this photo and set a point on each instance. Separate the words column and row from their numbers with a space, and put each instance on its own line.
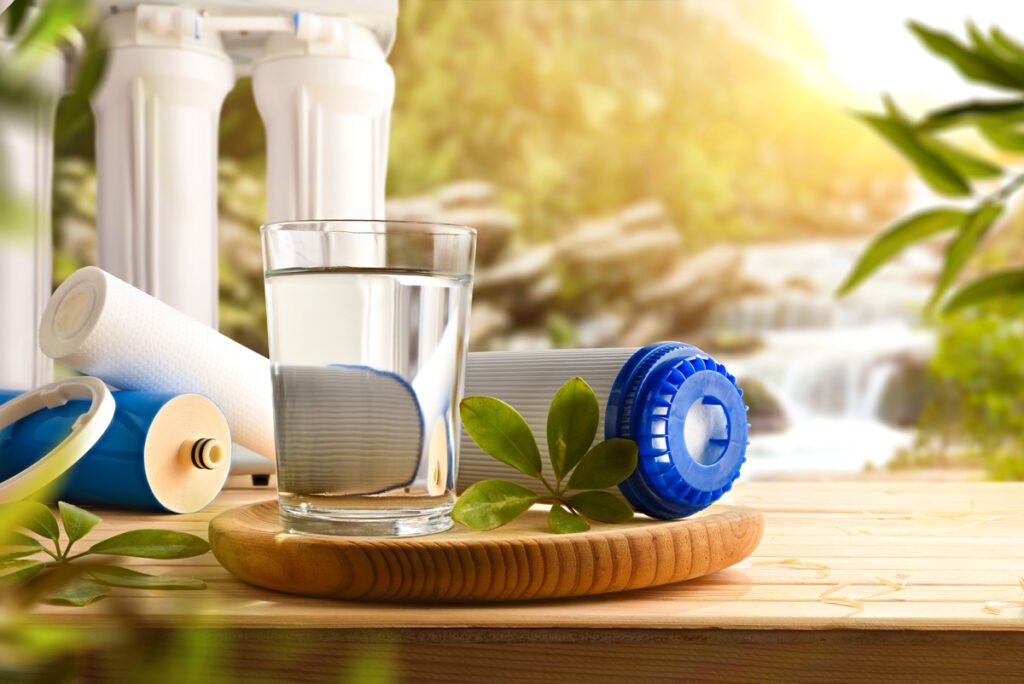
column 1011, row 48
column 605, row 465
column 973, row 113
column 603, row 506
column 898, row 237
column 492, row 503
column 565, row 522
column 933, row 169
column 123, row 577
column 1008, row 283
column 572, row 424
column 964, row 244
column 152, row 544
column 500, row 431
column 971, row 64
column 1004, row 137
column 966, row 164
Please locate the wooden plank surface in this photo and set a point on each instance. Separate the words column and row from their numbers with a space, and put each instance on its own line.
column 955, row 545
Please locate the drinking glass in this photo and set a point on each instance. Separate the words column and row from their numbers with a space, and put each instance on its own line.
column 368, row 325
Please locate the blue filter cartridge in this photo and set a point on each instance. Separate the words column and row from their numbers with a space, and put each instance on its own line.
column 161, row 452
column 681, row 406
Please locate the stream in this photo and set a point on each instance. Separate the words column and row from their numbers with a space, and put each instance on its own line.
column 829, row 362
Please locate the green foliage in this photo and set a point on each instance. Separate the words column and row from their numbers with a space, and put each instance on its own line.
column 538, row 97
column 63, row 582
column 77, row 521
column 492, row 503
column 993, row 59
column 603, row 506
column 152, row 544
column 606, row 465
column 564, row 522
column 572, row 425
column 898, row 237
column 78, row 592
column 499, row 430
column 975, row 407
column 986, row 288
column 123, row 577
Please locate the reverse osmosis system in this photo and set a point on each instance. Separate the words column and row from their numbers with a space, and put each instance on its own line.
column 323, row 89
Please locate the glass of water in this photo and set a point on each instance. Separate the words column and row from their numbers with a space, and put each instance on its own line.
column 368, row 327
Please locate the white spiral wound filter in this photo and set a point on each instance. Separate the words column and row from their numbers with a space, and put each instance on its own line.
column 102, row 326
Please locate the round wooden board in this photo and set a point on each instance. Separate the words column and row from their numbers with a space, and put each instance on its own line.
column 519, row 561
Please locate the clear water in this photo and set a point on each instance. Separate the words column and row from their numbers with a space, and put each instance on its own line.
column 367, row 370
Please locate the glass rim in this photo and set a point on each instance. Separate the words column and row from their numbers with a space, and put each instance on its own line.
column 347, row 226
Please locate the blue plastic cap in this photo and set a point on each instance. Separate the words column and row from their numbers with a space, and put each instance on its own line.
column 681, row 469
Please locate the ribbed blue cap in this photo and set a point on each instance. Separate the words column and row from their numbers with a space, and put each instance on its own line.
column 650, row 403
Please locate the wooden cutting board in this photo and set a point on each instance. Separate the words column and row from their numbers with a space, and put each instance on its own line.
column 519, row 561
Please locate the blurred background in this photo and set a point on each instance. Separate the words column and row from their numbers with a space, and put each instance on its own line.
column 678, row 169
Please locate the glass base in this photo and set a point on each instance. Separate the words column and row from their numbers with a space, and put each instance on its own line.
column 335, row 522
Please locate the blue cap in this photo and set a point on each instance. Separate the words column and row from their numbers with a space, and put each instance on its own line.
column 659, row 388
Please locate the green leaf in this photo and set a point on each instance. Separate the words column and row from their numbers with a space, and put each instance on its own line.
column 1003, row 284
column 572, row 424
column 77, row 521
column 964, row 244
column 973, row 113
column 1004, row 137
column 18, row 571
column 968, row 165
column 603, row 506
column 492, row 503
column 898, row 237
column 152, row 544
column 973, row 65
column 123, row 577
column 78, row 592
column 564, row 522
column 933, row 169
column 41, row 520
column 18, row 545
column 49, row 24
column 500, row 431
column 1011, row 48
column 606, row 465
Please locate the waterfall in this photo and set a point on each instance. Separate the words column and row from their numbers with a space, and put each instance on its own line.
column 829, row 362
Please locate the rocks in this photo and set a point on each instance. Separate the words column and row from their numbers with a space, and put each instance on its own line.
column 905, row 393
column 765, row 410
column 466, row 203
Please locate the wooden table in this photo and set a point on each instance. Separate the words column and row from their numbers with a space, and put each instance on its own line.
column 955, row 547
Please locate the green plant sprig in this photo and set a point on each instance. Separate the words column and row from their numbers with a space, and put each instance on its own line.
column 500, row 431
column 993, row 59
column 79, row 584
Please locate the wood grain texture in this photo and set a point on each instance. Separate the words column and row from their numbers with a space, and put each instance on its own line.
column 955, row 561
column 520, row 561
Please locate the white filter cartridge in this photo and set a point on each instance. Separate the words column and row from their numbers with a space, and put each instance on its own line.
column 102, row 326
